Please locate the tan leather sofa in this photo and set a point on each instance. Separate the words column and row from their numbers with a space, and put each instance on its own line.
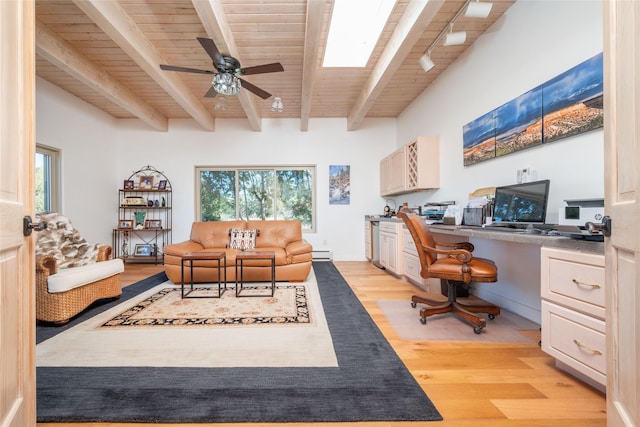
column 283, row 237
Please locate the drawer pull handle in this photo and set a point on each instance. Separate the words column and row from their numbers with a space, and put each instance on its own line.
column 579, row 344
column 588, row 285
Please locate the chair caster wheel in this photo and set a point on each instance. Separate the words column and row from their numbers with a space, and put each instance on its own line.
column 423, row 320
column 413, row 304
column 477, row 330
column 492, row 316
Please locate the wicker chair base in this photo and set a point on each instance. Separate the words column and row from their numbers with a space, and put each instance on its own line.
column 60, row 307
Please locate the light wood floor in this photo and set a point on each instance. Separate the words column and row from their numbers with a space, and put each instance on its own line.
column 479, row 385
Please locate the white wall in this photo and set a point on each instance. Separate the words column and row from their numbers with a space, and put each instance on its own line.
column 85, row 137
column 533, row 42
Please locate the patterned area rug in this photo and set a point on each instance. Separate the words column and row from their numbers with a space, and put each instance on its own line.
column 158, row 328
column 166, row 307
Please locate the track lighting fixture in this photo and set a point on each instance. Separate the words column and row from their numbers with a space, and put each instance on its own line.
column 277, row 105
column 472, row 9
column 425, row 62
column 478, row 9
column 452, row 39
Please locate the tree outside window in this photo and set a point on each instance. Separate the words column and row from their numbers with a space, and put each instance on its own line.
column 257, row 193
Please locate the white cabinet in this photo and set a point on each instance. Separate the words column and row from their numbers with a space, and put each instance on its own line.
column 423, row 163
column 414, row 167
column 367, row 240
column 573, row 312
column 391, row 246
column 392, row 173
column 411, row 262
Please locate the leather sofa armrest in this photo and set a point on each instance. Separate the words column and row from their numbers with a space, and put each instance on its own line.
column 46, row 264
column 178, row 249
column 298, row 247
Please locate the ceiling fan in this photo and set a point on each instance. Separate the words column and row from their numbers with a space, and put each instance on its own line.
column 226, row 80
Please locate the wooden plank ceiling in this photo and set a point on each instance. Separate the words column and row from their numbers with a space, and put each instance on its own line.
column 107, row 53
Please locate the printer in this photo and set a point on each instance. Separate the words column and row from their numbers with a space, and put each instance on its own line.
column 579, row 212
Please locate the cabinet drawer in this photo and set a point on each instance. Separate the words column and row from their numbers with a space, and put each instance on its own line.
column 412, row 267
column 389, row 227
column 575, row 339
column 407, row 243
column 574, row 279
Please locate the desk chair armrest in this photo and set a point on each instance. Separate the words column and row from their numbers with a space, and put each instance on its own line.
column 467, row 246
column 462, row 255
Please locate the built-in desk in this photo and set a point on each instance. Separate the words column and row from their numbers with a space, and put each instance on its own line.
column 555, row 281
column 519, row 236
column 518, row 257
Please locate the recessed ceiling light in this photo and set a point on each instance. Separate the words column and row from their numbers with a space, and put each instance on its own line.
column 355, row 28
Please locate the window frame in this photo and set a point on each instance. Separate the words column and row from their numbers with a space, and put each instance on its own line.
column 275, row 168
column 53, row 174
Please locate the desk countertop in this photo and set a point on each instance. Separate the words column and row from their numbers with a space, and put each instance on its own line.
column 514, row 237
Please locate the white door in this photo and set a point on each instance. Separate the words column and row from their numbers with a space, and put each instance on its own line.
column 17, row 146
column 622, row 195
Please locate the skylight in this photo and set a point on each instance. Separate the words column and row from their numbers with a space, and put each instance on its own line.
column 355, row 28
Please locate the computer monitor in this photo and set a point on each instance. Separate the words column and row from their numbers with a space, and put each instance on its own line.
column 521, row 203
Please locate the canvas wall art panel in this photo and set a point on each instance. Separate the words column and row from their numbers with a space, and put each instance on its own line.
column 569, row 104
column 573, row 101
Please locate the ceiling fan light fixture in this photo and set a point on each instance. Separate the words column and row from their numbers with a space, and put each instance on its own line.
column 452, row 39
column 478, row 9
column 426, row 63
column 277, row 105
column 226, row 84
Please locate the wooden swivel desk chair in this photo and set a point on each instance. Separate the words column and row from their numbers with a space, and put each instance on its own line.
column 453, row 266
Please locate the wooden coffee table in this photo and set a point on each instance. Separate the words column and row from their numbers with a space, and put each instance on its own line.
column 190, row 257
column 249, row 256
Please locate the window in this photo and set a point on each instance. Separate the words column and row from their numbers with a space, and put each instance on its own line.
column 47, row 179
column 256, row 193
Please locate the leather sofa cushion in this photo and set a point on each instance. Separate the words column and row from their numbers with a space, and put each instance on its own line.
column 276, row 233
column 214, row 234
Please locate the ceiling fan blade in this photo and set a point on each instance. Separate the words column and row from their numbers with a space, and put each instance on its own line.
column 212, row 50
column 265, row 68
column 255, row 89
column 211, row 93
column 184, row 69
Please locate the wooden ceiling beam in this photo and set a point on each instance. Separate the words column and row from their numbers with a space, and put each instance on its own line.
column 61, row 54
column 413, row 23
column 117, row 25
column 312, row 43
column 213, row 18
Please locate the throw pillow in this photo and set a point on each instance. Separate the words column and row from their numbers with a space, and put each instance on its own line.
column 242, row 239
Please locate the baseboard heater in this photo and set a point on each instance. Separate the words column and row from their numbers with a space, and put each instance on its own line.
column 322, row 255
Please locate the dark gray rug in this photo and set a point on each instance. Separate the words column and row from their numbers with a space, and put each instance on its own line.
column 370, row 384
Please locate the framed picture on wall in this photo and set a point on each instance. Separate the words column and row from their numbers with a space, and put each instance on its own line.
column 339, row 184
